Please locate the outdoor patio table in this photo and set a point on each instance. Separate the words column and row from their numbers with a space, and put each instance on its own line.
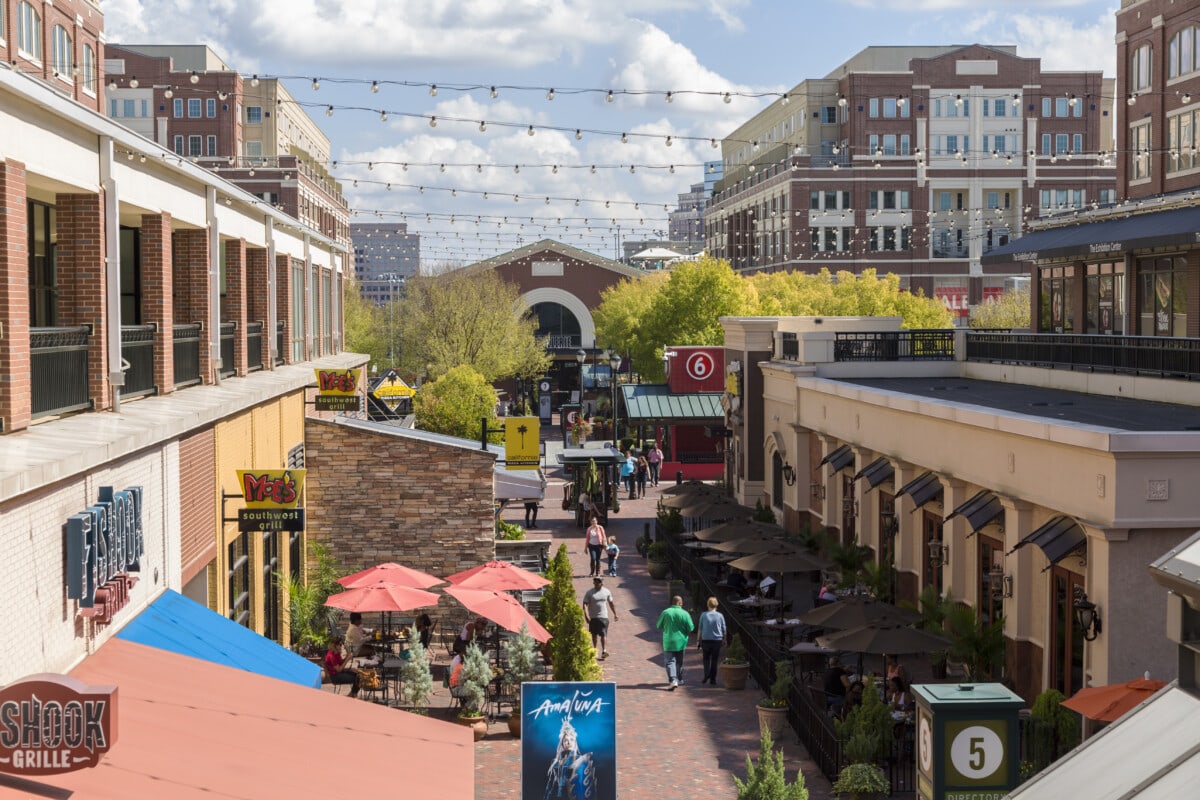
column 811, row 657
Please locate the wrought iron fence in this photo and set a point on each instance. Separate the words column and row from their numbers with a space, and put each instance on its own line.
column 137, row 351
column 225, row 337
column 789, row 346
column 58, row 365
column 254, row 343
column 914, row 345
column 1137, row 355
column 186, row 345
column 562, row 341
column 278, row 343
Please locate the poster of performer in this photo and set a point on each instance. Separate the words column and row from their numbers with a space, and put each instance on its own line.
column 568, row 741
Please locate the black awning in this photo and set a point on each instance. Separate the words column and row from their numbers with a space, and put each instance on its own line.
column 839, row 459
column 1058, row 538
column 876, row 472
column 1103, row 238
column 922, row 489
column 979, row 510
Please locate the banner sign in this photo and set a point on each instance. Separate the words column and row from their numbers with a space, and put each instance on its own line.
column 337, row 390
column 568, row 741
column 104, row 542
column 55, row 723
column 522, row 442
column 272, row 499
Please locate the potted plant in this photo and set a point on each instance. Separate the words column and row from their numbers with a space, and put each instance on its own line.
column 862, row 782
column 472, row 688
column 767, row 780
column 416, row 681
column 520, row 665
column 763, row 513
column 670, row 520
column 773, row 709
column 657, row 562
column 309, row 619
column 734, row 667
column 1052, row 731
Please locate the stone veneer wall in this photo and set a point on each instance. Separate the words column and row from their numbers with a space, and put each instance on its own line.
column 376, row 497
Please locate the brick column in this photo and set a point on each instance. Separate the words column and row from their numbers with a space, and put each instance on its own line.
column 79, row 260
column 189, row 251
column 233, row 309
column 157, row 295
column 256, row 296
column 14, row 299
column 283, row 302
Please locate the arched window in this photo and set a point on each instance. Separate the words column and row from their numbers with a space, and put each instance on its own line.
column 558, row 323
column 1181, row 53
column 1139, row 69
column 60, row 51
column 89, row 69
column 29, row 31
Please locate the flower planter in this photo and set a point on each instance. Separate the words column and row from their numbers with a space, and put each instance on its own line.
column 514, row 723
column 658, row 569
column 773, row 720
column 733, row 676
column 476, row 723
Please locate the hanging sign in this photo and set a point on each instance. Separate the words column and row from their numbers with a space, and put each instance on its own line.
column 392, row 390
column 337, row 390
column 272, row 499
column 55, row 723
column 522, row 448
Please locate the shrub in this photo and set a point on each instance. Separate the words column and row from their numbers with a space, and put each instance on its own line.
column 763, row 513
column 861, row 779
column 1053, row 730
column 670, row 520
column 476, row 675
column 574, row 657
column 868, row 730
column 767, row 780
column 778, row 696
column 657, row 551
column 520, row 660
column 509, row 531
column 560, row 593
column 736, row 652
column 416, row 682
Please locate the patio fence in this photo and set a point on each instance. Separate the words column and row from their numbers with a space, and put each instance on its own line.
column 58, row 364
column 137, row 350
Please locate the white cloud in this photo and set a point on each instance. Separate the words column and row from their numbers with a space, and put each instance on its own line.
column 1061, row 43
column 919, row 6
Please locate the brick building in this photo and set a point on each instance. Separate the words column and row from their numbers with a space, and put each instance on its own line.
column 912, row 160
column 61, row 43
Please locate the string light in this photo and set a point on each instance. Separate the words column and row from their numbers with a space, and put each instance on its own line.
column 316, row 83
column 374, row 87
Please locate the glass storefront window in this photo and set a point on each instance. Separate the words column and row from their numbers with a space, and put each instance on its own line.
column 1105, row 298
column 1162, row 296
column 1056, row 300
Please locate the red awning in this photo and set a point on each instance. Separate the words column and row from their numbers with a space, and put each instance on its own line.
column 192, row 729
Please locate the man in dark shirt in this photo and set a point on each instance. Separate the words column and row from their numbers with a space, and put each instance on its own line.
column 837, row 681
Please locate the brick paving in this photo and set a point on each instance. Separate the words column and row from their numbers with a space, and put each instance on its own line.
column 687, row 743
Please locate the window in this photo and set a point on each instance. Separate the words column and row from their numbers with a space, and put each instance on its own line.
column 904, row 144
column 112, row 108
column 873, row 144
column 253, row 149
column 829, row 115
column 1139, row 69
column 999, row 107
column 145, row 112
column 1047, row 103
column 1060, row 143
column 1182, row 141
column 178, row 108
column 1057, row 300
column 43, row 281
column 814, row 200
column 195, row 146
column 1077, row 143
column 210, row 107
column 1181, row 53
column 1077, row 109
column 1162, row 296
column 253, row 115
column 1062, row 108
column 1139, row 155
column 193, row 108
column 178, row 148
column 1108, row 196
column 889, row 144
column 1104, row 303
column 29, row 31
column 212, row 145
column 873, row 107
column 1045, row 144
column 60, row 52
column 131, row 276
column 89, row 69
column 128, row 108
column 993, row 199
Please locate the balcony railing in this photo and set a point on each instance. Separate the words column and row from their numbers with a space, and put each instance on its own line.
column 562, row 341
column 58, row 361
column 227, row 333
column 187, row 354
column 137, row 353
column 1136, row 355
column 278, row 343
column 789, row 346
column 254, row 342
column 915, row 345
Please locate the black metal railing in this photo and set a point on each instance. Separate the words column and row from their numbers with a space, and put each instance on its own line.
column 137, row 351
column 58, row 365
column 789, row 346
column 254, row 343
column 278, row 343
column 1136, row 355
column 563, row 341
column 225, row 337
column 915, row 345
column 186, row 346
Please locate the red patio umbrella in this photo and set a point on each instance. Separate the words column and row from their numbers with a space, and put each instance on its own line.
column 500, row 608
column 382, row 596
column 1107, row 703
column 393, row 573
column 499, row 575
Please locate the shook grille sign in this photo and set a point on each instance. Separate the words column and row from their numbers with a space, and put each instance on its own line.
column 54, row 723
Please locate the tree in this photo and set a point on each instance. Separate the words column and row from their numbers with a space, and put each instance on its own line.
column 572, row 654
column 622, row 309
column 846, row 294
column 468, row 317
column 366, row 326
column 1010, row 310
column 455, row 403
column 767, row 780
column 560, row 592
column 416, row 682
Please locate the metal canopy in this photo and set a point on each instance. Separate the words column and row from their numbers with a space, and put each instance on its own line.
column 922, row 489
column 655, row 403
column 839, row 459
column 1058, row 538
column 981, row 509
column 876, row 472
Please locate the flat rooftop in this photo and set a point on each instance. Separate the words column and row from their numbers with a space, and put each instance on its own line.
column 1115, row 413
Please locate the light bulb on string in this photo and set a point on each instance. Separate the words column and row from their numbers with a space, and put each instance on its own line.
column 482, row 126
column 329, row 111
column 433, row 122
column 728, row 98
column 494, row 93
column 578, row 134
column 550, row 95
column 668, row 142
column 195, row 78
column 624, row 138
column 316, row 82
column 169, row 93
column 374, row 86
column 383, row 116
column 669, row 97
column 609, row 97
column 530, row 130
column 433, row 90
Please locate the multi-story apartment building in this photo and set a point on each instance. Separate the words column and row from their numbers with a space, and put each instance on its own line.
column 1132, row 267
column 912, row 160
column 385, row 256
column 686, row 222
column 60, row 43
column 189, row 100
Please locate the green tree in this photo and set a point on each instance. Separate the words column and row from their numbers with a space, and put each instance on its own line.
column 365, row 325
column 1010, row 310
column 845, row 294
column 767, row 780
column 416, row 681
column 571, row 651
column 455, row 403
column 622, row 309
column 468, row 317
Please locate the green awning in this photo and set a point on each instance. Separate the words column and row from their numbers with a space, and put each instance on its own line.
column 656, row 403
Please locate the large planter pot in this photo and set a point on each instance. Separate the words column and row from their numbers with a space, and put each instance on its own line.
column 514, row 723
column 773, row 720
column 733, row 676
column 658, row 569
column 477, row 723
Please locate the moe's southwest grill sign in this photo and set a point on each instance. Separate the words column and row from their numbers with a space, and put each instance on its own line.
column 104, row 544
column 272, row 499
column 337, row 390
column 55, row 723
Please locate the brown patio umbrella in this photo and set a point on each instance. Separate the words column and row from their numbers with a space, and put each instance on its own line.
column 737, row 529
column 684, row 498
column 1108, row 703
column 499, row 575
column 755, row 544
column 500, row 608
column 884, row 639
column 714, row 508
column 782, row 558
column 382, row 596
column 396, row 574
column 690, row 487
column 855, row 612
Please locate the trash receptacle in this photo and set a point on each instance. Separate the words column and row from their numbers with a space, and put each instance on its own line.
column 678, row 477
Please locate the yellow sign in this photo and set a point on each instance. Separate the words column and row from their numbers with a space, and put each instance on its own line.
column 389, row 390
column 522, row 442
column 731, row 384
column 271, row 488
column 337, row 382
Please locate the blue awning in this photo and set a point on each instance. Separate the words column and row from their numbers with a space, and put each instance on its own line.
column 1102, row 238
column 179, row 625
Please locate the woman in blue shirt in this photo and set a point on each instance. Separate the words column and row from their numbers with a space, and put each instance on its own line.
column 712, row 636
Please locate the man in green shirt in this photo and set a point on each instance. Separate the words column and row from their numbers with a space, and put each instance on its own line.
column 676, row 624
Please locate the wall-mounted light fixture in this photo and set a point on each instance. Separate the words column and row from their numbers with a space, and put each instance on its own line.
column 818, row 490
column 1007, row 583
column 1087, row 615
column 789, row 474
column 939, row 553
column 888, row 523
column 849, row 507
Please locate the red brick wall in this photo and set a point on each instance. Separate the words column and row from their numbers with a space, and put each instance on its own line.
column 190, row 258
column 80, row 273
column 256, row 297
column 197, row 512
column 233, row 308
column 580, row 278
column 283, row 302
column 14, row 299
column 62, row 12
column 158, row 305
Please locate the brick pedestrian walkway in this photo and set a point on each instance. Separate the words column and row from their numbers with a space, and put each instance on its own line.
column 670, row 745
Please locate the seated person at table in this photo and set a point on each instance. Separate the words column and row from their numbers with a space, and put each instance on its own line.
column 736, row 581
column 338, row 666
column 470, row 631
column 355, row 635
column 854, row 696
column 827, row 594
column 766, row 587
column 897, row 695
column 837, row 682
column 896, row 670
column 455, row 668
column 424, row 630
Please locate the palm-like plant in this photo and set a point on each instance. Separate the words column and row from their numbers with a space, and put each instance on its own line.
column 978, row 645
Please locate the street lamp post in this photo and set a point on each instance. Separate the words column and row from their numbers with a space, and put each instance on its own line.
column 614, row 364
column 581, row 357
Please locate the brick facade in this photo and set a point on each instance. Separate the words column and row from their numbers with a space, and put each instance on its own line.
column 84, row 24
column 14, row 299
column 376, row 497
column 158, row 289
column 190, row 259
column 257, row 309
column 80, row 274
column 233, row 305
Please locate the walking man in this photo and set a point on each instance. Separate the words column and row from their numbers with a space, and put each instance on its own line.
column 676, row 625
column 712, row 636
column 654, row 458
column 597, row 603
column 531, row 509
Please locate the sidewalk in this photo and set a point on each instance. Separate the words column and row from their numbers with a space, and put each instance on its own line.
column 690, row 742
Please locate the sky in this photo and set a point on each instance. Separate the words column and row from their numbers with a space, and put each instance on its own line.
column 474, row 193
